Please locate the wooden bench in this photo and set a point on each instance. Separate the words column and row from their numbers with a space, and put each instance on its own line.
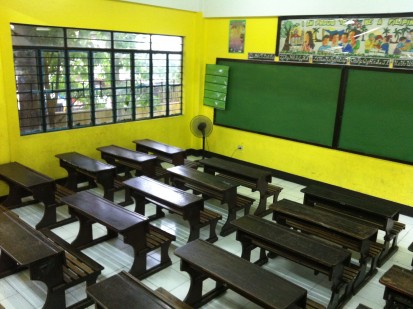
column 211, row 186
column 57, row 266
column 336, row 229
column 256, row 179
column 255, row 232
column 380, row 213
column 24, row 181
column 125, row 291
column 78, row 165
column 398, row 291
column 189, row 206
column 135, row 229
column 202, row 260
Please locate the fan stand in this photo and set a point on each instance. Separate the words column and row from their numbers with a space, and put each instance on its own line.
column 201, row 127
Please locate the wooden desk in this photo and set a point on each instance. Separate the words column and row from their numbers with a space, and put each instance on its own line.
column 230, row 271
column 165, row 152
column 24, row 181
column 398, row 284
column 367, row 209
column 253, row 231
column 90, row 208
column 335, row 228
column 211, row 186
column 123, row 158
column 254, row 178
column 187, row 205
column 77, row 164
column 124, row 291
column 21, row 247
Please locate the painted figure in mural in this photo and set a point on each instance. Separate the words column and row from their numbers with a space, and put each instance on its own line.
column 308, row 44
column 400, row 46
column 324, row 44
column 369, row 44
column 346, row 47
column 386, row 44
column 355, row 44
column 335, row 40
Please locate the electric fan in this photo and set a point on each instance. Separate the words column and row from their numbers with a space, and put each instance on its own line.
column 201, row 126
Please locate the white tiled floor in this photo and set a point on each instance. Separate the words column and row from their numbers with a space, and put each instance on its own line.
column 17, row 291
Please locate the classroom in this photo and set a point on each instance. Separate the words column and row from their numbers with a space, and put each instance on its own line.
column 204, row 27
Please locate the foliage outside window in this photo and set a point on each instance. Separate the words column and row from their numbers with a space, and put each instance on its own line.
column 70, row 78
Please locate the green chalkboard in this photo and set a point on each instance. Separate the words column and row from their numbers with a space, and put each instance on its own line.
column 292, row 101
column 378, row 114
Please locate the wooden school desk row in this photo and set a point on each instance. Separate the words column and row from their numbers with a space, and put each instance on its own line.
column 143, row 237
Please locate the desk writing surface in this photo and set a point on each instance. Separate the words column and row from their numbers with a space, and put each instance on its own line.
column 202, row 178
column 125, row 153
column 22, row 242
column 163, row 148
column 23, row 175
column 103, row 211
column 84, row 162
column 273, row 291
column 154, row 189
column 399, row 279
column 325, row 219
column 293, row 241
column 236, row 168
column 130, row 293
column 363, row 202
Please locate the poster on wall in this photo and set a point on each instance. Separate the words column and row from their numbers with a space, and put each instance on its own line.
column 380, row 41
column 236, row 36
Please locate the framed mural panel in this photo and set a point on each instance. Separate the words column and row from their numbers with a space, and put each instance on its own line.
column 368, row 40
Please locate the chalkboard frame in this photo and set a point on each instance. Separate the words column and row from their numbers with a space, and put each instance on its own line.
column 339, row 111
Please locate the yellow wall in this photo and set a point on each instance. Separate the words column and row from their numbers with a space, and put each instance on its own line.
column 380, row 178
column 37, row 151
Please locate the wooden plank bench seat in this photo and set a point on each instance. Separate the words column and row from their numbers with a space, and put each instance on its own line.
column 212, row 186
column 257, row 179
column 335, row 229
column 203, row 260
column 255, row 232
column 77, row 267
column 189, row 206
column 377, row 212
column 135, row 229
column 124, row 291
column 398, row 291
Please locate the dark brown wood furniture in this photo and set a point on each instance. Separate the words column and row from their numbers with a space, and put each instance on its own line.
column 59, row 269
column 411, row 249
column 135, row 229
column 127, row 160
column 334, row 228
column 189, row 206
column 364, row 208
column 125, row 291
column 255, row 232
column 202, row 260
column 24, row 181
column 213, row 187
column 398, row 291
column 254, row 178
column 79, row 166
column 164, row 152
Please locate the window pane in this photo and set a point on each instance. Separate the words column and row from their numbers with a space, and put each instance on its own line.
column 88, row 38
column 102, row 81
column 28, row 91
column 79, row 89
column 132, row 41
column 54, row 85
column 175, row 87
column 166, row 43
column 26, row 35
column 142, row 86
column 123, row 81
column 159, row 84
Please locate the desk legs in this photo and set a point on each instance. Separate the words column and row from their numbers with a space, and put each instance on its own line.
column 7, row 265
column 137, row 240
column 228, row 228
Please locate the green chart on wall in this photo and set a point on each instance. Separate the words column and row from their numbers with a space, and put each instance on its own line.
column 378, row 114
column 290, row 101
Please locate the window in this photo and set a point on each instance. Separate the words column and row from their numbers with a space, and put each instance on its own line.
column 69, row 78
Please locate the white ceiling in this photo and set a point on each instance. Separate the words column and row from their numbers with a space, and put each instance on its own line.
column 249, row 8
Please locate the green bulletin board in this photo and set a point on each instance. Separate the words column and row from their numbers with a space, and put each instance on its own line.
column 216, row 83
